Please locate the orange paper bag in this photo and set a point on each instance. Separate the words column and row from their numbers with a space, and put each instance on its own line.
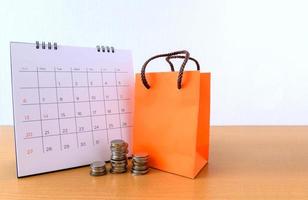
column 172, row 117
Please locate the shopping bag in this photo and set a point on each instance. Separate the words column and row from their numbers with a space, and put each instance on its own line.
column 172, row 117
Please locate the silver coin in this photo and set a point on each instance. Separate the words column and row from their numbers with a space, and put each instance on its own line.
column 98, row 167
column 119, row 170
column 133, row 165
column 140, row 172
column 113, row 171
column 140, row 159
column 118, row 158
column 124, row 146
column 118, row 155
column 119, row 145
column 140, row 168
column 122, row 154
column 118, row 161
column 97, row 164
column 118, row 142
column 98, row 174
column 118, row 167
column 140, row 155
column 139, row 162
column 99, row 170
column 119, row 164
column 119, row 150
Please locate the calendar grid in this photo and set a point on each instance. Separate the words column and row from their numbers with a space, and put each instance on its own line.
column 70, row 133
column 103, row 90
column 79, row 85
column 90, row 107
column 59, row 125
column 86, row 116
column 74, row 71
column 31, row 104
column 40, row 108
column 115, row 75
column 94, row 86
column 74, row 108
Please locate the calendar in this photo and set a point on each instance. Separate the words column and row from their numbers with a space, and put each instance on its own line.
column 69, row 103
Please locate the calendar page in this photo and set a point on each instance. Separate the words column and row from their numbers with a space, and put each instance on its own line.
column 69, row 103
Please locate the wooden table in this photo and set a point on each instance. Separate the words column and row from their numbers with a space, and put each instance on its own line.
column 245, row 163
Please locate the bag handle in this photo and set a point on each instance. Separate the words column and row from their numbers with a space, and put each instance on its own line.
column 180, row 76
column 173, row 57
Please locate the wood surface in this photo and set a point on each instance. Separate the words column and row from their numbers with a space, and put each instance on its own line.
column 245, row 163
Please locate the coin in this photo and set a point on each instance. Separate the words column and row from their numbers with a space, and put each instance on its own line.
column 119, row 150
column 117, row 158
column 140, row 164
column 98, row 168
column 97, row 164
column 120, row 162
column 98, row 174
column 118, row 143
column 140, row 155
column 140, row 168
column 113, row 152
column 119, row 155
column 139, row 172
column 117, row 171
column 141, row 161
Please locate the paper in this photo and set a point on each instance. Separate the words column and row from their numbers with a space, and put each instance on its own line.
column 69, row 103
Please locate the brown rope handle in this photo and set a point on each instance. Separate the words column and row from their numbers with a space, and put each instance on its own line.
column 173, row 57
column 180, row 77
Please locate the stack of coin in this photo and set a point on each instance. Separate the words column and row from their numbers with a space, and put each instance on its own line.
column 98, row 168
column 140, row 164
column 118, row 156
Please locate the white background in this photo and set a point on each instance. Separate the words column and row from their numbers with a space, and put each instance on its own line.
column 256, row 50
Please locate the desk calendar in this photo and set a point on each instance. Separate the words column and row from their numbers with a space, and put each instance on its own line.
column 69, row 103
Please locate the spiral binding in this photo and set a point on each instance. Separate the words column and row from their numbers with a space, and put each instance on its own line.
column 43, row 45
column 105, row 49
